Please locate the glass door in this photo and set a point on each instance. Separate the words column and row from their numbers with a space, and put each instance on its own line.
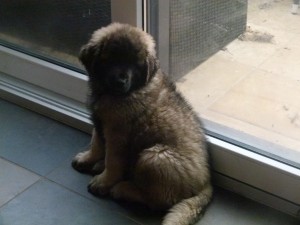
column 39, row 45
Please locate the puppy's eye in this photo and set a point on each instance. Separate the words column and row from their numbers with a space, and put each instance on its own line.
column 103, row 58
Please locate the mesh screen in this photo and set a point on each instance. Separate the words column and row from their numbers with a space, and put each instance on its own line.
column 199, row 28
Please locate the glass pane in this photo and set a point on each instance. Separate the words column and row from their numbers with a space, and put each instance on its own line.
column 237, row 62
column 199, row 29
column 52, row 29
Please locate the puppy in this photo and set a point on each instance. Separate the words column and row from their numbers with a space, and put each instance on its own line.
column 148, row 145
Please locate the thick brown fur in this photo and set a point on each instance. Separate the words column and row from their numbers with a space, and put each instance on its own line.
column 148, row 145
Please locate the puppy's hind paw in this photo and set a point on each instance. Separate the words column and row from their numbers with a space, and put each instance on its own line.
column 97, row 187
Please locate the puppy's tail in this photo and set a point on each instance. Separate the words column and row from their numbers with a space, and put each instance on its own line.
column 189, row 210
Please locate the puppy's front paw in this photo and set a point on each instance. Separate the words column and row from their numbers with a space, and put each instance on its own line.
column 98, row 186
column 85, row 163
column 82, row 162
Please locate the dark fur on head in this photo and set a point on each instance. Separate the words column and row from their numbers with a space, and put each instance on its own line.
column 116, row 63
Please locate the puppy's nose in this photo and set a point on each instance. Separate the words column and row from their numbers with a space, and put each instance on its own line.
column 121, row 79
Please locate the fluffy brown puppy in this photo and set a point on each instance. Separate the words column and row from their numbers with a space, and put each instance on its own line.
column 148, row 136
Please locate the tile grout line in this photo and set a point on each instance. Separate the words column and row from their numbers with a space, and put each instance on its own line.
column 89, row 199
column 20, row 166
column 40, row 178
column 254, row 68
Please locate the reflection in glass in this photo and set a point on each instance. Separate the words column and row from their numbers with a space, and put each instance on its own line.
column 51, row 28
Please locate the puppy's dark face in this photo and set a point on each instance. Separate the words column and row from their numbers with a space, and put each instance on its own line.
column 118, row 60
column 117, row 77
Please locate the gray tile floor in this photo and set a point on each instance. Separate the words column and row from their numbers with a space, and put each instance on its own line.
column 39, row 187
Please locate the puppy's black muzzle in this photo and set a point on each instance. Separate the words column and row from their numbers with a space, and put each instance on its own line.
column 120, row 83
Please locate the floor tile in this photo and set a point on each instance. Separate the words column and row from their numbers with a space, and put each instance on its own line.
column 253, row 48
column 258, row 96
column 210, row 80
column 231, row 209
column 13, row 180
column 77, row 182
column 251, row 53
column 285, row 61
column 36, row 142
column 46, row 203
column 274, row 14
column 250, row 103
column 279, row 38
column 256, row 45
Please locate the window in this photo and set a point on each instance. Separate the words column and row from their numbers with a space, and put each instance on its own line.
column 235, row 61
column 45, row 51
column 244, row 86
column 52, row 29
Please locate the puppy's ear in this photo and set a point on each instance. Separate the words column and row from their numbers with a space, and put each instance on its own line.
column 153, row 65
column 86, row 55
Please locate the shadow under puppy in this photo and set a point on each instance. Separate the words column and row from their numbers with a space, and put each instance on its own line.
column 147, row 145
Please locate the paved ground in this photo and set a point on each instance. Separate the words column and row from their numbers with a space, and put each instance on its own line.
column 253, row 85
